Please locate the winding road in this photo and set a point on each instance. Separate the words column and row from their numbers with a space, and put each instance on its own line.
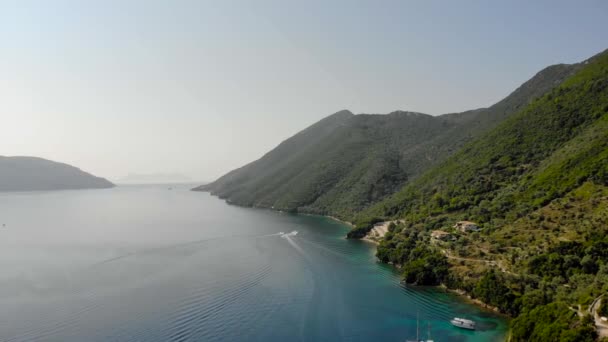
column 487, row 262
column 602, row 327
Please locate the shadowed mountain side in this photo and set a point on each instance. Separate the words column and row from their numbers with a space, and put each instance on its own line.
column 338, row 165
column 345, row 163
column 32, row 174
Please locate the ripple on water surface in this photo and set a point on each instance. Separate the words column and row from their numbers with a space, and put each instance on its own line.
column 147, row 264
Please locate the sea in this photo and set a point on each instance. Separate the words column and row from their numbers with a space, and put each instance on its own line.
column 163, row 263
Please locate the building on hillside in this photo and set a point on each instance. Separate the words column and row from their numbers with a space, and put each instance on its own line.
column 467, row 226
column 440, row 235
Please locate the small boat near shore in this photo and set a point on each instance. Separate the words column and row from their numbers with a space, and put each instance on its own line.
column 463, row 323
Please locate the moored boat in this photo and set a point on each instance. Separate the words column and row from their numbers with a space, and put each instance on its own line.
column 463, row 323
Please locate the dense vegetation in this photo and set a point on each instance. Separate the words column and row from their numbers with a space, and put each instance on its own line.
column 603, row 310
column 31, row 174
column 346, row 162
column 553, row 322
column 423, row 264
column 537, row 184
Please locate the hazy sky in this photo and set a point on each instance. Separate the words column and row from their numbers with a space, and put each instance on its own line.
column 199, row 87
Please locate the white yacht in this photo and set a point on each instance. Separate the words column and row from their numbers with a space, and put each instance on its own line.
column 463, row 323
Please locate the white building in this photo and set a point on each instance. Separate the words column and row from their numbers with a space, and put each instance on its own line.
column 467, row 226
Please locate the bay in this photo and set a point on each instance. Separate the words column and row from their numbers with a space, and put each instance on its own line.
column 162, row 263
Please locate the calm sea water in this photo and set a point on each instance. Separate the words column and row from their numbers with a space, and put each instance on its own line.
column 145, row 263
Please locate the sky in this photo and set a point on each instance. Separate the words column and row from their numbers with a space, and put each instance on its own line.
column 201, row 87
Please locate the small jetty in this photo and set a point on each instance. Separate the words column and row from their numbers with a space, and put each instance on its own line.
column 463, row 323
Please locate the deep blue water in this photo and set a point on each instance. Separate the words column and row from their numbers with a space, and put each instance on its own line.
column 145, row 263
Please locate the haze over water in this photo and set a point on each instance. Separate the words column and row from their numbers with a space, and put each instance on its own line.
column 149, row 263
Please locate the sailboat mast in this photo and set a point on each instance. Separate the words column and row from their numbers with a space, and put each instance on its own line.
column 418, row 326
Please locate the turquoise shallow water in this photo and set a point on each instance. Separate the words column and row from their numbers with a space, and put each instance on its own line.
column 145, row 263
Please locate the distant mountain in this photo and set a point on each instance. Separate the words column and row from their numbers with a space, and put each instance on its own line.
column 345, row 163
column 31, row 173
column 135, row 178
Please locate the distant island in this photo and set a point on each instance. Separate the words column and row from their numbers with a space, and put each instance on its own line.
column 154, row 178
column 35, row 174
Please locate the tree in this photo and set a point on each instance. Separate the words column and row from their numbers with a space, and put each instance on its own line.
column 492, row 290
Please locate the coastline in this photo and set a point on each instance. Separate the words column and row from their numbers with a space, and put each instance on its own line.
column 379, row 230
column 376, row 240
column 465, row 295
column 335, row 219
column 494, row 310
column 197, row 189
column 377, row 233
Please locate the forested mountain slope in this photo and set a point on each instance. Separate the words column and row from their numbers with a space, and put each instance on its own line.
column 338, row 165
column 346, row 162
column 537, row 186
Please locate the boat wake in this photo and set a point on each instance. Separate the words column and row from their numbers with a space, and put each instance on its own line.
column 274, row 234
column 187, row 244
column 288, row 237
column 284, row 235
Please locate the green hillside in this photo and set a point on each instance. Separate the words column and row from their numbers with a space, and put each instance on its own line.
column 537, row 185
column 345, row 163
column 337, row 168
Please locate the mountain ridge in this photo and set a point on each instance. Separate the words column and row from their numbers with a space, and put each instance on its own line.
column 378, row 153
column 23, row 173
